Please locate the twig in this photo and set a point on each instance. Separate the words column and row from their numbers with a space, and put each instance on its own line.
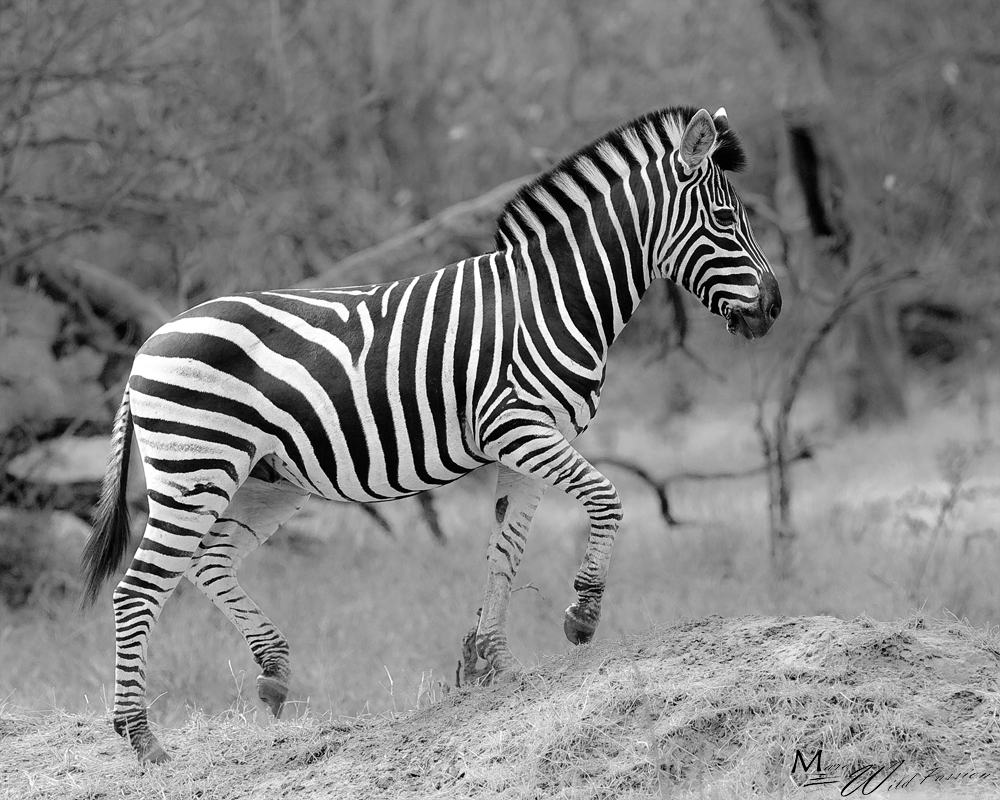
column 692, row 356
column 528, row 586
column 852, row 292
column 760, row 205
column 377, row 517
column 430, row 514
column 43, row 241
column 956, row 481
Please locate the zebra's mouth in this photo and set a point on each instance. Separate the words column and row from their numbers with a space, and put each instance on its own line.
column 736, row 323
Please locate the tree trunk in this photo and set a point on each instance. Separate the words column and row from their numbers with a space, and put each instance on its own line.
column 818, row 202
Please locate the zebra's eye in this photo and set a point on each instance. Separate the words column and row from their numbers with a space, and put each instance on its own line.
column 726, row 217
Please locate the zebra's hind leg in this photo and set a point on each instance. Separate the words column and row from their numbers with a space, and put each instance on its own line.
column 178, row 519
column 517, row 498
column 256, row 511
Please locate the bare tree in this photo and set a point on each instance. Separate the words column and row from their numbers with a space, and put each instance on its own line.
column 71, row 163
column 826, row 239
column 779, row 445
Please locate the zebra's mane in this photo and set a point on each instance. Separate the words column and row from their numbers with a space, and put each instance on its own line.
column 616, row 152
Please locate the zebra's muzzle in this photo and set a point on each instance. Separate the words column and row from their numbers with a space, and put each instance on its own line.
column 748, row 323
column 753, row 321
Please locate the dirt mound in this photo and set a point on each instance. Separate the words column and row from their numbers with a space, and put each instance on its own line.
column 731, row 707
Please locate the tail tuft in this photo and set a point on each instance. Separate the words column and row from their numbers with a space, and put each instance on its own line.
column 105, row 550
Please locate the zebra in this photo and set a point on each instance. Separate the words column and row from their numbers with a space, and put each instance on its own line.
column 245, row 405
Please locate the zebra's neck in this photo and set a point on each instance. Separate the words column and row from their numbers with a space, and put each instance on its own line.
column 585, row 264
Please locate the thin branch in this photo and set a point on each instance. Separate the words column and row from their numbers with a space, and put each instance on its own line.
column 662, row 485
column 853, row 291
column 760, row 205
column 114, row 73
column 60, row 141
column 11, row 258
column 657, row 485
column 699, row 361
column 805, row 452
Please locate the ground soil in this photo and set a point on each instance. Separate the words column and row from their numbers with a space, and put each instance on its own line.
column 712, row 707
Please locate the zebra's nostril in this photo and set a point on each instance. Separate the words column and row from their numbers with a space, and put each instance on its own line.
column 770, row 298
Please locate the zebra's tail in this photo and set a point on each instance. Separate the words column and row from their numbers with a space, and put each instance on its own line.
column 105, row 550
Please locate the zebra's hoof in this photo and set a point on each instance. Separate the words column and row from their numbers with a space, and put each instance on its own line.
column 579, row 626
column 153, row 754
column 134, row 728
column 273, row 693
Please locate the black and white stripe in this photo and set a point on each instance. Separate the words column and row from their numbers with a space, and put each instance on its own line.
column 245, row 405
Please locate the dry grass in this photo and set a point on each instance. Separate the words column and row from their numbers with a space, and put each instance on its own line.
column 376, row 623
column 710, row 708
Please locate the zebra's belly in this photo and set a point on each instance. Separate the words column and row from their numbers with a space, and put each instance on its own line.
column 377, row 488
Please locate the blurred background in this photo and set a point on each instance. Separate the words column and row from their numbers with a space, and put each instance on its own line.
column 159, row 153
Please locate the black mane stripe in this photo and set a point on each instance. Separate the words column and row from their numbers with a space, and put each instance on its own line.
column 664, row 123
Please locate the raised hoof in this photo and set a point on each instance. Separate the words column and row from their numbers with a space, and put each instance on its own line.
column 578, row 626
column 273, row 693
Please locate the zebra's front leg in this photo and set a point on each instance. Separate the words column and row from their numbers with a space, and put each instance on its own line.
column 517, row 498
column 536, row 448
column 580, row 479
column 256, row 512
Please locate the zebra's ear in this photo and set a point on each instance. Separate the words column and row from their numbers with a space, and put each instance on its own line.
column 721, row 119
column 698, row 140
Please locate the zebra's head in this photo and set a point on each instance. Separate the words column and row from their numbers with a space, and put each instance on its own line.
column 710, row 249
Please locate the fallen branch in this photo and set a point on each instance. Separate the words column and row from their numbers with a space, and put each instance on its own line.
column 471, row 219
column 113, row 297
column 657, row 485
column 662, row 485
